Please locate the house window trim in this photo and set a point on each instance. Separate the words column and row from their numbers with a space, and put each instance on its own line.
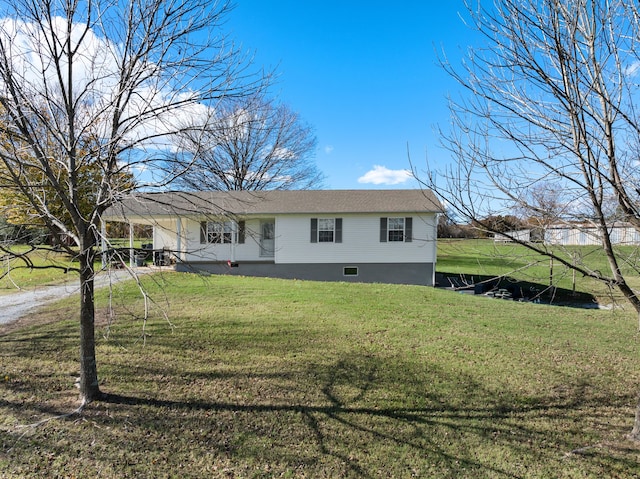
column 316, row 231
column 386, row 232
column 326, row 230
column 235, row 235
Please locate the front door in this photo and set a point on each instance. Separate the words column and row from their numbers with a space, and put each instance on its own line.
column 267, row 238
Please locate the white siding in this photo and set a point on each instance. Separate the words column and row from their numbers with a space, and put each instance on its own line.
column 196, row 251
column 360, row 241
column 164, row 234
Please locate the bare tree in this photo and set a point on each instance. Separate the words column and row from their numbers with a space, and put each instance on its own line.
column 103, row 86
column 550, row 104
column 250, row 144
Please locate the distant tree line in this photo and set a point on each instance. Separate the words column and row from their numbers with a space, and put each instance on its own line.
column 449, row 228
column 39, row 235
column 24, row 234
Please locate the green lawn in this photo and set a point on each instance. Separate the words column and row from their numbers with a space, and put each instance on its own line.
column 272, row 378
column 15, row 274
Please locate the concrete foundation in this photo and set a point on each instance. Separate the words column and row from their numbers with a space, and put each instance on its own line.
column 395, row 273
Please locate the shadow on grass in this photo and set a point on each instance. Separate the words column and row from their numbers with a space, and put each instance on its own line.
column 337, row 414
column 359, row 416
column 341, row 423
column 316, row 417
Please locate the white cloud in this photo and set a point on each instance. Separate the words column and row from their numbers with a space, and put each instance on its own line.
column 632, row 69
column 328, row 149
column 154, row 111
column 381, row 175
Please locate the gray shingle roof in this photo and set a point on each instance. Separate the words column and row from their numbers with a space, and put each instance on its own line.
column 275, row 202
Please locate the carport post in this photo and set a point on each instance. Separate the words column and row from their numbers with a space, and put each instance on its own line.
column 103, row 242
column 131, row 251
column 178, row 239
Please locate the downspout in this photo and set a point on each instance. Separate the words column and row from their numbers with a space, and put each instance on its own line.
column 234, row 240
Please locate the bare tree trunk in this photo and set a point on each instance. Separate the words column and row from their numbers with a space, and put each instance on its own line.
column 89, row 388
column 549, row 126
column 635, row 432
column 105, row 83
column 632, row 297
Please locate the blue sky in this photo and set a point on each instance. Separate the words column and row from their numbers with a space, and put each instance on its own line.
column 364, row 74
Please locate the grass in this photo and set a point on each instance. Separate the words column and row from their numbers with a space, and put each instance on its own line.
column 273, row 378
column 15, row 276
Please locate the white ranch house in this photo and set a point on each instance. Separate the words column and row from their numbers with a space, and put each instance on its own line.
column 386, row 236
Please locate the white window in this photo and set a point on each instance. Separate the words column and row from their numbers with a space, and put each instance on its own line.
column 395, row 228
column 218, row 232
column 326, row 230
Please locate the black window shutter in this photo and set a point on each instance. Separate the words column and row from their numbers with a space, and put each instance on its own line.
column 383, row 230
column 408, row 230
column 203, row 232
column 314, row 230
column 241, row 231
column 338, row 236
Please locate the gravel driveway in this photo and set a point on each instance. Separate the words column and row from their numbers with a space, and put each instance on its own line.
column 13, row 306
